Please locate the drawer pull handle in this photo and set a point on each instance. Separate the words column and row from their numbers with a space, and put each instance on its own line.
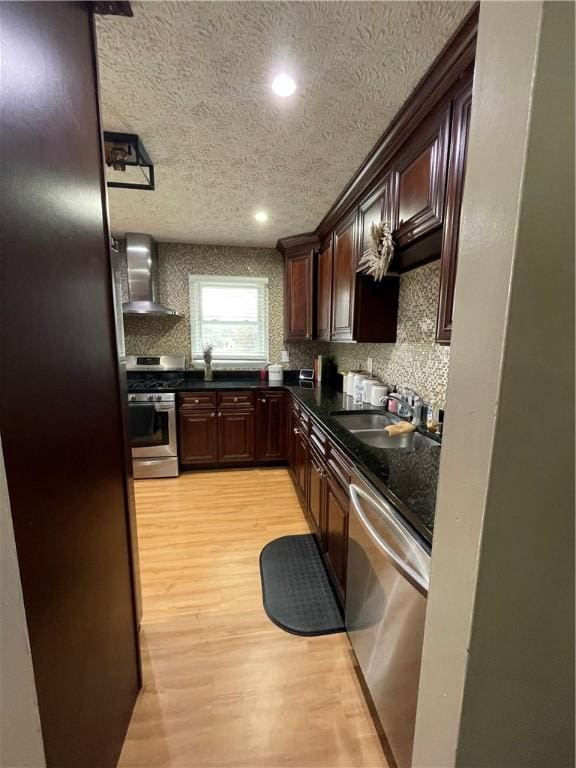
column 296, row 431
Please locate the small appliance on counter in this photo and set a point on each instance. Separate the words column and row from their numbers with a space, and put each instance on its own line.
column 306, row 374
column 152, row 416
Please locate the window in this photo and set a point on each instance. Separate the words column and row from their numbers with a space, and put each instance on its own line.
column 231, row 313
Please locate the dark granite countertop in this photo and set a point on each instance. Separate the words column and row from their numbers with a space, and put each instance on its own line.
column 408, row 477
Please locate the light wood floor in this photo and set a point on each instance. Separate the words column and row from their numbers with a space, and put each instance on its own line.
column 223, row 686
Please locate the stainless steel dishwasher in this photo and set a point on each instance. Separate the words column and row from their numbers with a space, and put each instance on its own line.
column 387, row 587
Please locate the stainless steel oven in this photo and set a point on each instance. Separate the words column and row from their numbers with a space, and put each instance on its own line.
column 152, row 414
column 152, row 420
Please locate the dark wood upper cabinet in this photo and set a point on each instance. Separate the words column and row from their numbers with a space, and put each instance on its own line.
column 462, row 106
column 420, row 185
column 324, row 291
column 272, row 426
column 344, row 279
column 299, row 296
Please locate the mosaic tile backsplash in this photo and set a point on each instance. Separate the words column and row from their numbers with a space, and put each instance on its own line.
column 415, row 360
column 171, row 335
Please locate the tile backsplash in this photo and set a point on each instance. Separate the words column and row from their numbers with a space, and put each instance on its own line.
column 415, row 360
column 171, row 335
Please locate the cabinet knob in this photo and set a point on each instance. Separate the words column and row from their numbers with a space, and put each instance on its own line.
column 212, row 415
column 235, row 399
column 219, row 414
column 263, row 399
column 296, row 431
column 196, row 400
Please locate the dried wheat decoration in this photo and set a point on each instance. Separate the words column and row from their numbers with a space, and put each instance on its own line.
column 378, row 255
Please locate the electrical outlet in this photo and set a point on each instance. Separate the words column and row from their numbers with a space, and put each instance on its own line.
column 284, row 356
column 369, row 364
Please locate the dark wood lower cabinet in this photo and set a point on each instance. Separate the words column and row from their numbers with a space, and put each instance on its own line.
column 236, row 437
column 316, row 492
column 272, row 426
column 233, row 427
column 336, row 533
column 198, row 437
column 321, row 475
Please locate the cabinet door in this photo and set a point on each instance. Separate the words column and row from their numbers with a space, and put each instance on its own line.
column 301, row 466
column 336, row 533
column 298, row 296
column 272, row 426
column 455, row 189
column 292, row 442
column 198, row 437
column 344, row 280
column 324, row 292
column 236, row 437
column 316, row 474
column 421, row 180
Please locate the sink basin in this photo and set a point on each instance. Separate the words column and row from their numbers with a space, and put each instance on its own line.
column 369, row 429
column 362, row 421
column 378, row 438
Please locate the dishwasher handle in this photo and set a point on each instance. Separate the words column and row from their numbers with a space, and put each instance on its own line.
column 417, row 581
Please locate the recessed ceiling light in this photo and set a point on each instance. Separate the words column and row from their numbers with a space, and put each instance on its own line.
column 283, row 85
column 261, row 216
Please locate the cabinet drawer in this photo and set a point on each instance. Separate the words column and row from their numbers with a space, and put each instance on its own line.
column 340, row 469
column 234, row 399
column 197, row 400
column 318, row 439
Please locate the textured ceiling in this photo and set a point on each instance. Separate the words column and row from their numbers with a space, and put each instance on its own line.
column 193, row 80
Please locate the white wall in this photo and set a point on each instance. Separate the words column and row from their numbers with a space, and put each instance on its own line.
column 498, row 666
column 20, row 737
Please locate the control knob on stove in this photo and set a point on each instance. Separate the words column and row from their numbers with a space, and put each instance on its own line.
column 159, row 398
column 150, row 398
column 132, row 397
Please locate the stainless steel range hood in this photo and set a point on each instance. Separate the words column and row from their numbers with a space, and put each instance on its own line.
column 142, row 260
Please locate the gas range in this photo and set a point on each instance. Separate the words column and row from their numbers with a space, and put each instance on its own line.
column 152, row 414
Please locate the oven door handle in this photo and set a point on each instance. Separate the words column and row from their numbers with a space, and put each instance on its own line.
column 163, row 407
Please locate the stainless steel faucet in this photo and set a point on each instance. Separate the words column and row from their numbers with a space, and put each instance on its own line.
column 415, row 408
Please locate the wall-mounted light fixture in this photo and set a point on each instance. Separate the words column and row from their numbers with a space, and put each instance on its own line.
column 124, row 153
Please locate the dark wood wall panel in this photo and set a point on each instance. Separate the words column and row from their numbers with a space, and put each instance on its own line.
column 61, row 411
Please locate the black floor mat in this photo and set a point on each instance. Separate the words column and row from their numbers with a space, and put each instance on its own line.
column 296, row 591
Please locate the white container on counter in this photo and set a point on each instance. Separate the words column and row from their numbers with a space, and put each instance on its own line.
column 367, row 389
column 358, row 389
column 377, row 397
column 275, row 374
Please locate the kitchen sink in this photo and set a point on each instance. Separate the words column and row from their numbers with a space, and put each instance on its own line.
column 362, row 421
column 369, row 429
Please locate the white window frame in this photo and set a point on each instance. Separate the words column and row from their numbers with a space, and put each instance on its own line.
column 196, row 351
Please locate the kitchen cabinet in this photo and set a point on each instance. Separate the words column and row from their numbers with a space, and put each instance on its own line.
column 217, row 428
column 336, row 533
column 460, row 126
column 413, row 177
column 420, row 172
column 236, row 436
column 198, row 431
column 299, row 298
column 272, row 425
column 344, row 280
column 321, row 476
column 324, row 291
column 316, row 495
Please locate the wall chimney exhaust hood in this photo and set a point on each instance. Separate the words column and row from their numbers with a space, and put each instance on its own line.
column 142, row 262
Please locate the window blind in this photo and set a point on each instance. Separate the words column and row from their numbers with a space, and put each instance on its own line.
column 231, row 313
